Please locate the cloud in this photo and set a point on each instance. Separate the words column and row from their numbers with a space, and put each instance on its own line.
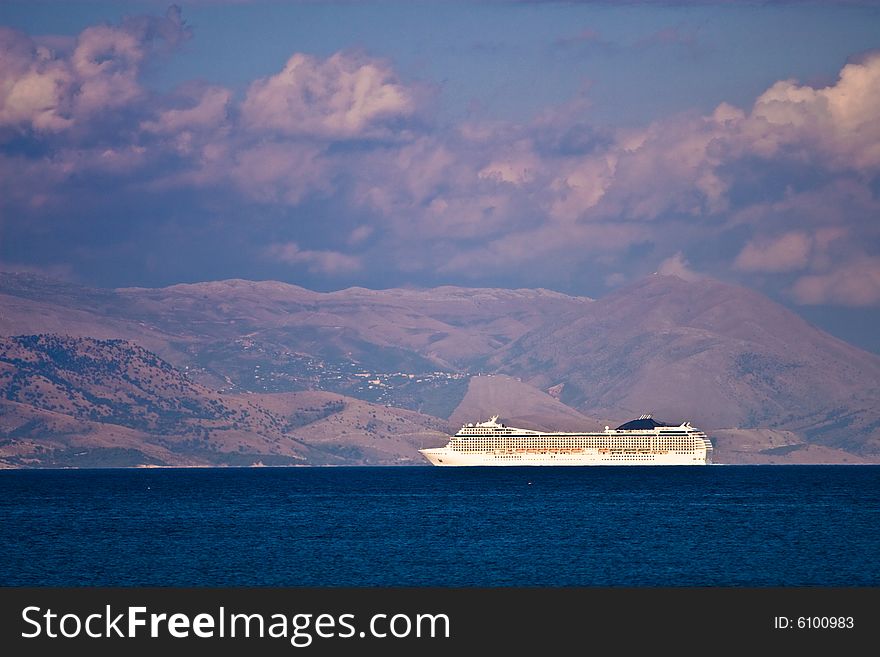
column 343, row 97
column 34, row 87
column 789, row 252
column 670, row 168
column 194, row 125
column 360, row 234
column 510, row 193
column 678, row 266
column 275, row 173
column 686, row 165
column 322, row 262
column 852, row 284
column 838, row 122
column 50, row 91
column 518, row 167
column 105, row 64
column 783, row 190
column 209, row 110
column 580, row 185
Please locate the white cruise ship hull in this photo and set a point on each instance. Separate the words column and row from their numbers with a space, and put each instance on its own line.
column 638, row 442
column 443, row 456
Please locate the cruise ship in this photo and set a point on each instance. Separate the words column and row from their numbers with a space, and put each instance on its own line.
column 639, row 442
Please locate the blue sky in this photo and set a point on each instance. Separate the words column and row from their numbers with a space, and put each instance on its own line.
column 576, row 146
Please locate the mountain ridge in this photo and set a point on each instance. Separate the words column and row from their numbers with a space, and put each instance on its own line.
column 720, row 355
column 707, row 350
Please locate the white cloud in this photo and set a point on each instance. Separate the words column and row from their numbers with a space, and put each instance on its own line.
column 838, row 122
column 106, row 63
column 50, row 90
column 34, row 86
column 344, row 96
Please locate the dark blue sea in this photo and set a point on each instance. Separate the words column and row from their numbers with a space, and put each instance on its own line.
column 702, row 526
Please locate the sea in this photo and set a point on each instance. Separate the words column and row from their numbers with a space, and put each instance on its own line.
column 729, row 526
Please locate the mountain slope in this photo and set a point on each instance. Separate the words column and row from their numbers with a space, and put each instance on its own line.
column 716, row 354
column 355, row 431
column 222, row 330
column 517, row 404
column 58, row 385
column 89, row 403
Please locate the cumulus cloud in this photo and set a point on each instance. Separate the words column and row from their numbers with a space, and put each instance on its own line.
column 49, row 91
column 580, row 185
column 195, row 126
column 788, row 183
column 345, row 96
column 839, row 122
column 322, row 262
column 106, row 64
column 677, row 266
column 686, row 165
column 679, row 169
column 34, row 86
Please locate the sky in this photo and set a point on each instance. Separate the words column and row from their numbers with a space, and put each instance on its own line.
column 575, row 146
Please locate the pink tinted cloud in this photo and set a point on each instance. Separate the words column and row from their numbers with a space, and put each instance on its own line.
column 789, row 252
column 34, row 86
column 838, row 122
column 344, row 96
column 321, row 262
column 669, row 168
column 208, row 110
column 678, row 266
column 677, row 165
column 49, row 90
column 502, row 192
column 276, row 172
column 106, row 63
column 851, row 284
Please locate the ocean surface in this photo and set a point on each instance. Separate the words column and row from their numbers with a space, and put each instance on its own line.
column 592, row 526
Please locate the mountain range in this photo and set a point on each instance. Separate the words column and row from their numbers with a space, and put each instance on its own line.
column 241, row 372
